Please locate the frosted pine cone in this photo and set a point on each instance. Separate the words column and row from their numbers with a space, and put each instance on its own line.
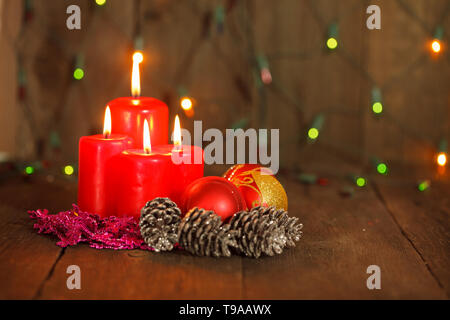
column 202, row 233
column 257, row 235
column 159, row 223
column 292, row 230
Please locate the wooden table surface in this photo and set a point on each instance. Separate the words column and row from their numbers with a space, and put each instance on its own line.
column 388, row 223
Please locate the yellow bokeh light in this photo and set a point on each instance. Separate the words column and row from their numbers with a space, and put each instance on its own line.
column 68, row 170
column 436, row 46
column 313, row 133
column 186, row 103
column 332, row 43
column 100, row 2
column 442, row 159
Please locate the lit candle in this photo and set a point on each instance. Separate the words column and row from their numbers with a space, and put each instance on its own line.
column 184, row 167
column 95, row 154
column 142, row 175
column 129, row 113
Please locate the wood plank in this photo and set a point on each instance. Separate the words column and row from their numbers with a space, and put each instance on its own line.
column 424, row 218
column 342, row 237
column 26, row 257
column 108, row 274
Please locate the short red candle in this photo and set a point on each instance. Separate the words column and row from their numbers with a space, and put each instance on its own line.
column 139, row 177
column 95, row 154
column 128, row 115
column 159, row 171
column 186, row 171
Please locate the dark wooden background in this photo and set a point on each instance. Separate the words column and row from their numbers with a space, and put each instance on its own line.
column 182, row 49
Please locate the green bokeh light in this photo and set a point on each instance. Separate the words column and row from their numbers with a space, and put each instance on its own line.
column 382, row 168
column 332, row 43
column 423, row 185
column 313, row 133
column 377, row 107
column 78, row 74
column 29, row 170
column 360, row 181
column 68, row 170
column 100, row 2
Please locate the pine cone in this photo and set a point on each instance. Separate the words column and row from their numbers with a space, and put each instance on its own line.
column 202, row 233
column 264, row 231
column 159, row 223
column 256, row 234
column 292, row 230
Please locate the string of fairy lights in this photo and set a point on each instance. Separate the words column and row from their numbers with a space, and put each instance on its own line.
column 263, row 80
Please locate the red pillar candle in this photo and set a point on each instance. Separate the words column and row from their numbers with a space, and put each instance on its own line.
column 129, row 113
column 95, row 154
column 139, row 175
column 142, row 175
column 184, row 167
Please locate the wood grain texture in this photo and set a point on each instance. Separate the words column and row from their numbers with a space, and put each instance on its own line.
column 424, row 220
column 108, row 274
column 342, row 238
column 26, row 258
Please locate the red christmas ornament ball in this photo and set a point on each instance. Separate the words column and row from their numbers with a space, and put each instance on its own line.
column 213, row 193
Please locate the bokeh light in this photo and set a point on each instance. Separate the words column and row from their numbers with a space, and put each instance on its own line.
column 313, row 133
column 78, row 74
column 186, row 103
column 29, row 170
column 266, row 76
column 436, row 46
column 382, row 168
column 377, row 107
column 360, row 182
column 441, row 159
column 423, row 185
column 68, row 170
column 100, row 2
column 332, row 43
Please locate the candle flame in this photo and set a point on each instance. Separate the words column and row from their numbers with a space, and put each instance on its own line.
column 177, row 132
column 147, row 143
column 107, row 123
column 135, row 75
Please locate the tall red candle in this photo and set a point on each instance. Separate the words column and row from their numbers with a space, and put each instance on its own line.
column 129, row 113
column 95, row 154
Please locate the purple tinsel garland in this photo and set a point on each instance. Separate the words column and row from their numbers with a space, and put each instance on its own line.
column 75, row 226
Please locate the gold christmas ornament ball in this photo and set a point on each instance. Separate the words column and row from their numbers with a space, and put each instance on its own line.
column 258, row 186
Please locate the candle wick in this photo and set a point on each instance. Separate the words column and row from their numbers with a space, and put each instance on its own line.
column 107, row 135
